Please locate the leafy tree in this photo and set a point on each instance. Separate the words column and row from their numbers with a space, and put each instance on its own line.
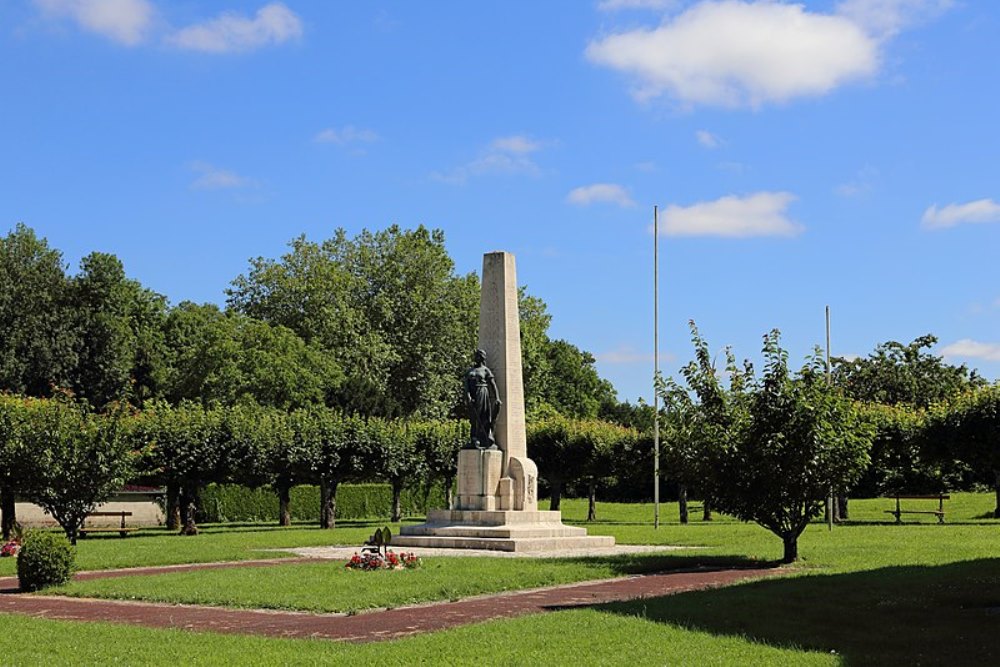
column 188, row 452
column 12, row 456
column 119, row 336
column 36, row 339
column 387, row 306
column 775, row 444
column 439, row 443
column 897, row 374
column 573, row 386
column 74, row 460
column 968, row 428
column 551, row 446
column 605, row 448
column 397, row 457
column 228, row 358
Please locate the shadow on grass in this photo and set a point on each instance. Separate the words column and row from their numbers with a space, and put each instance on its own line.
column 647, row 563
column 948, row 614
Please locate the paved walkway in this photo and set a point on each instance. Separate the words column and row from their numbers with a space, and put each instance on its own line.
column 364, row 627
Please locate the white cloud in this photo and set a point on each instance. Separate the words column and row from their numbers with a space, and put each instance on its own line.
column 970, row 349
column 862, row 183
column 346, row 135
column 885, row 18
column 273, row 24
column 214, row 178
column 759, row 214
column 609, row 193
column 707, row 139
column 626, row 354
column 617, row 5
column 517, row 143
column 504, row 155
column 123, row 21
column 735, row 53
column 981, row 210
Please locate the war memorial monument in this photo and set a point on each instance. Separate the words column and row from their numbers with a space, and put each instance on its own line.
column 496, row 506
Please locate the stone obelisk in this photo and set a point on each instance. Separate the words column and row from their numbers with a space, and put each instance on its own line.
column 497, row 502
column 506, row 479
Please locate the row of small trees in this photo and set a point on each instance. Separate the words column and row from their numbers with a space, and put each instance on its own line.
column 56, row 453
column 770, row 448
column 67, row 459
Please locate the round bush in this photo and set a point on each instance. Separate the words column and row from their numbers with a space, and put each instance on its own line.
column 45, row 559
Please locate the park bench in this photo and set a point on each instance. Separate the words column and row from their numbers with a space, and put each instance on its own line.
column 378, row 542
column 122, row 530
column 939, row 512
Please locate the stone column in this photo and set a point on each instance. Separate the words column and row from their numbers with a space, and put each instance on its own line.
column 500, row 338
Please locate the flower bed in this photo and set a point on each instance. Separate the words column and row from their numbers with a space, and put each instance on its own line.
column 372, row 560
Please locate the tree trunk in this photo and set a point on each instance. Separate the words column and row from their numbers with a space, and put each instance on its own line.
column 328, row 503
column 284, row 504
column 682, row 501
column 397, row 503
column 791, row 542
column 555, row 495
column 592, row 500
column 706, row 514
column 189, row 508
column 996, row 488
column 842, row 508
column 9, row 512
column 173, row 508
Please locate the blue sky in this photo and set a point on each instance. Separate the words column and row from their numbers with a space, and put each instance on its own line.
column 839, row 153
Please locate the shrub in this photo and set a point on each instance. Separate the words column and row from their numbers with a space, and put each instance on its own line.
column 45, row 559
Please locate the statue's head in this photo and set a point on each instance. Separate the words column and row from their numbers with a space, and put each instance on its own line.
column 480, row 357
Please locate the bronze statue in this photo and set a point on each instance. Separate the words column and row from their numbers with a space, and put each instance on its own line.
column 483, row 400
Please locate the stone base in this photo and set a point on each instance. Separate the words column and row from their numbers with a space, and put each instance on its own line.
column 498, row 531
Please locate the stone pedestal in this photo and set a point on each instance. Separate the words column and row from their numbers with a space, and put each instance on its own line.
column 497, row 503
column 478, row 479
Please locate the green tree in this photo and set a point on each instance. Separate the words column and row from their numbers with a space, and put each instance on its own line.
column 552, row 447
column 387, row 306
column 74, row 460
column 36, row 339
column 119, row 337
column 573, row 386
column 228, row 358
column 439, row 443
column 898, row 374
column 397, row 458
column 776, row 444
column 968, row 428
column 12, row 457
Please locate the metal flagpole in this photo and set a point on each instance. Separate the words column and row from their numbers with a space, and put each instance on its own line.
column 656, row 369
column 830, row 499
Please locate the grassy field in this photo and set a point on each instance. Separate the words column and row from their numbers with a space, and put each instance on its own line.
column 330, row 587
column 868, row 592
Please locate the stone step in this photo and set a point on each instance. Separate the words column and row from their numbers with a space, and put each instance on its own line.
column 529, row 544
column 493, row 517
column 509, row 531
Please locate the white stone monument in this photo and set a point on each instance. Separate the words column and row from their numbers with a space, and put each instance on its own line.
column 497, row 502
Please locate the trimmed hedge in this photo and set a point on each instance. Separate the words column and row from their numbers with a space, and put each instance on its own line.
column 221, row 503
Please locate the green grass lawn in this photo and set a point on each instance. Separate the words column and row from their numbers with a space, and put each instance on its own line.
column 330, row 587
column 868, row 592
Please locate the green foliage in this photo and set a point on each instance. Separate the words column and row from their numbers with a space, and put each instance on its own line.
column 74, row 460
column 768, row 450
column 119, row 332
column 233, row 502
column 227, row 358
column 896, row 374
column 386, row 305
column 45, row 559
column 37, row 347
column 968, row 428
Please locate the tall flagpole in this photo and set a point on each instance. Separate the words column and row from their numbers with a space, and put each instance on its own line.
column 656, row 369
column 830, row 499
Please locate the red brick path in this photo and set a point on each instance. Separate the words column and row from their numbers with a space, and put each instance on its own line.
column 371, row 626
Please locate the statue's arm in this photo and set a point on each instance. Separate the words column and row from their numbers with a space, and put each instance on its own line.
column 496, row 392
